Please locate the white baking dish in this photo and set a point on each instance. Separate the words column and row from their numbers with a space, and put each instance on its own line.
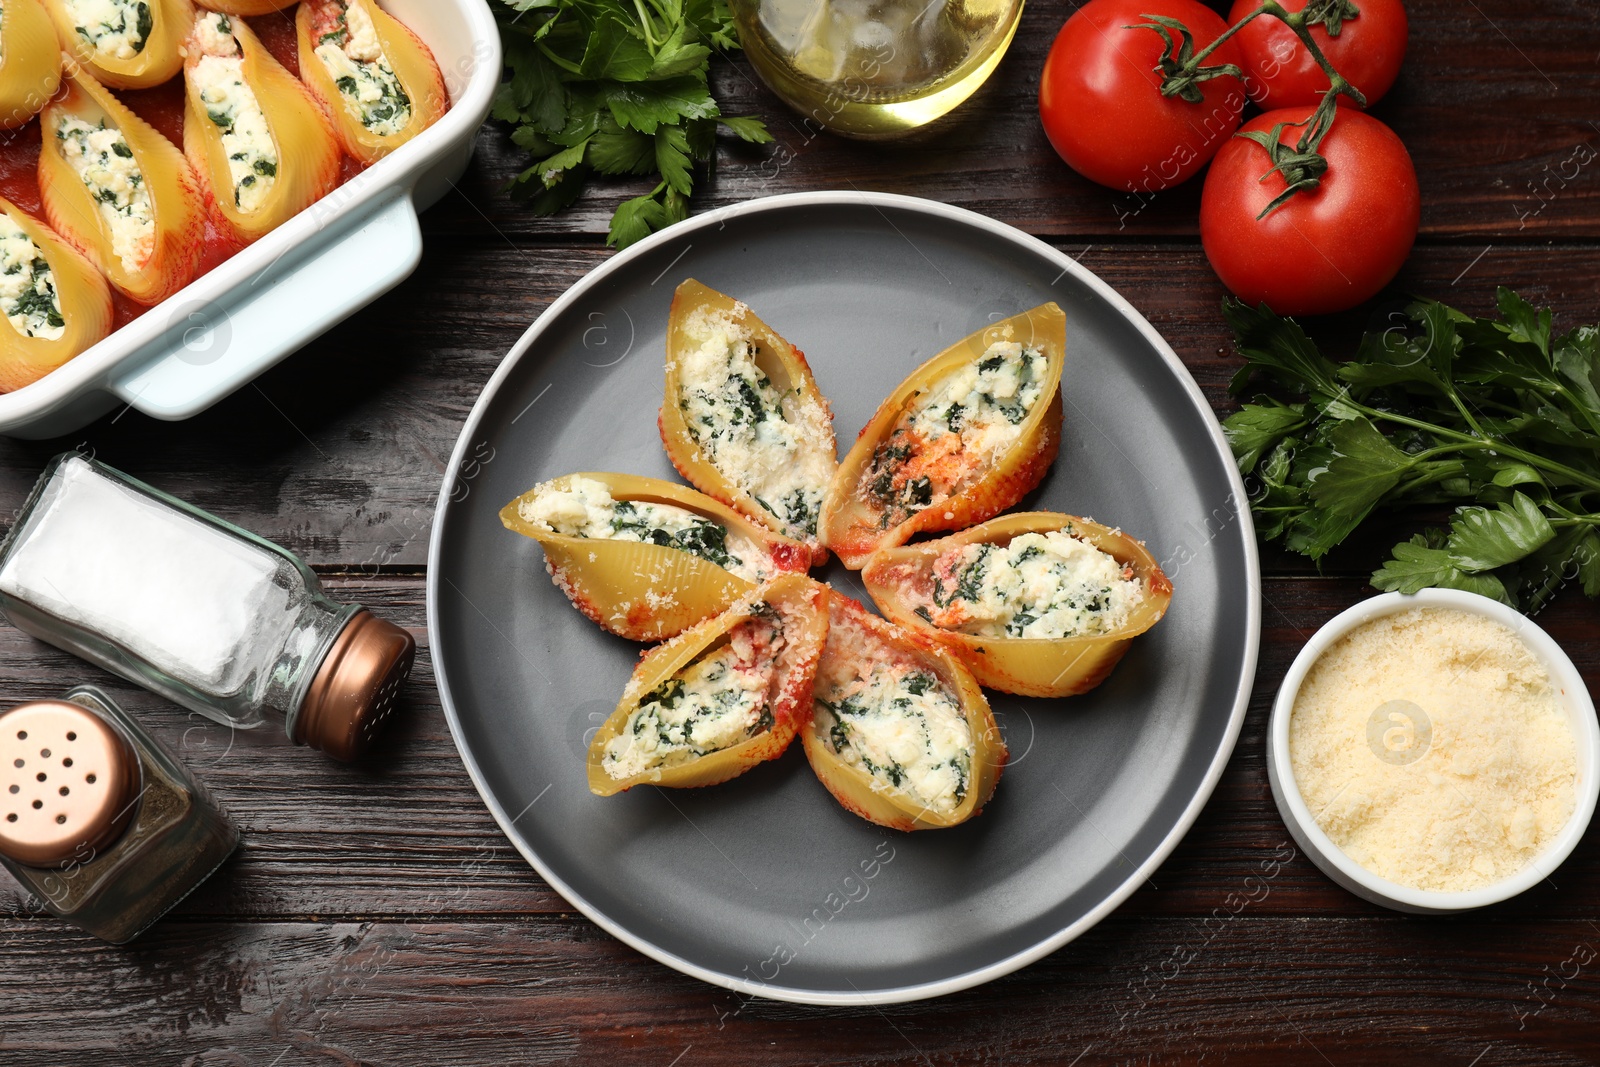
column 336, row 257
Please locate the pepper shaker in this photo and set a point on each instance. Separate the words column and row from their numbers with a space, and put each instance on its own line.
column 196, row 609
column 97, row 820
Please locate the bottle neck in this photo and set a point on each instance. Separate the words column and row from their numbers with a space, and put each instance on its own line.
column 306, row 644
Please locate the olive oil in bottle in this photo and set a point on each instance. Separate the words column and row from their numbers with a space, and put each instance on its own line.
column 875, row 69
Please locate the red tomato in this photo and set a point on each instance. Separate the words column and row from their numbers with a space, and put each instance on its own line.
column 1101, row 106
column 1326, row 249
column 1282, row 73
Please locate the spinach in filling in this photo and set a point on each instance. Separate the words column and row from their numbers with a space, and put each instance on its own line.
column 702, row 537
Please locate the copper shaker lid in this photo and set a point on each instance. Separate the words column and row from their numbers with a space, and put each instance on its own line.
column 68, row 782
column 355, row 689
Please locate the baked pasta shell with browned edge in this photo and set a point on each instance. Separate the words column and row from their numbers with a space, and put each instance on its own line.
column 158, row 61
column 30, row 61
column 408, row 57
column 856, row 640
column 854, row 525
column 784, row 365
column 644, row 591
column 84, row 299
column 177, row 206
column 801, row 605
column 307, row 152
column 899, row 578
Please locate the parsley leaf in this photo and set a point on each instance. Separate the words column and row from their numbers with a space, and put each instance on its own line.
column 647, row 107
column 614, row 150
column 615, row 87
column 1416, row 566
column 1482, row 539
column 1260, row 426
column 1498, row 417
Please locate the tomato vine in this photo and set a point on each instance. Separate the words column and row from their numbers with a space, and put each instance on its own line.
column 1182, row 68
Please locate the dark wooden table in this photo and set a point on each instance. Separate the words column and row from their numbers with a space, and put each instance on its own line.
column 374, row 914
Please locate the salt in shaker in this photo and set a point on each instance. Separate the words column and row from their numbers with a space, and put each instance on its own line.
column 210, row 616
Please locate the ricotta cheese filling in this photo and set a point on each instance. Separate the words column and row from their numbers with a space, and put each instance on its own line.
column 955, row 432
column 28, row 297
column 767, row 441
column 348, row 46
column 101, row 157
column 233, row 107
column 115, row 29
column 881, row 711
column 1048, row 585
column 720, row 700
column 586, row 509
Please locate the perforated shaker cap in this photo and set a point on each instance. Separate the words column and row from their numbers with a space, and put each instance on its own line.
column 354, row 690
column 68, row 782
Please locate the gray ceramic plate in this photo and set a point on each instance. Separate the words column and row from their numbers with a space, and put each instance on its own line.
column 765, row 884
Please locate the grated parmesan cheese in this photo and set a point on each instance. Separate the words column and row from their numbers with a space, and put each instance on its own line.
column 1430, row 747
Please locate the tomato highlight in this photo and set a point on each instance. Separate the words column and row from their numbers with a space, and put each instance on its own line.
column 1328, row 247
column 1101, row 104
column 1281, row 72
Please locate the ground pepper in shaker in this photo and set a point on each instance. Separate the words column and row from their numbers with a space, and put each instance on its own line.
column 97, row 820
column 196, row 609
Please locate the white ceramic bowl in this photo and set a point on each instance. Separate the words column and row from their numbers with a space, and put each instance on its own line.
column 1571, row 694
column 334, row 258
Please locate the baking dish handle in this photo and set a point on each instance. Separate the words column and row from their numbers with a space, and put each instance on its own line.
column 211, row 349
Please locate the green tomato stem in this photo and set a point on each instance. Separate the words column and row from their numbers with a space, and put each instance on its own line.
column 1200, row 56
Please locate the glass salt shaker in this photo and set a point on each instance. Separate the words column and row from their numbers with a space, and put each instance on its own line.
column 97, row 820
column 196, row 609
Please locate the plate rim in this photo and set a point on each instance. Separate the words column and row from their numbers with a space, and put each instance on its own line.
column 719, row 218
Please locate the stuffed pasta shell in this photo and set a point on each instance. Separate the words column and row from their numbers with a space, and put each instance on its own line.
column 1039, row 604
column 720, row 698
column 964, row 437
column 126, row 44
column 256, row 139
column 644, row 558
column 30, row 61
column 55, row 304
column 742, row 418
column 119, row 192
column 900, row 733
column 375, row 79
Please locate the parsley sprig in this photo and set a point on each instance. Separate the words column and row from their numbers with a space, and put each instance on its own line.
column 1497, row 416
column 614, row 87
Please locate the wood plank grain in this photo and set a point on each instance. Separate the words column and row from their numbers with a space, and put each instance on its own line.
column 1248, row 989
column 1493, row 104
column 374, row 913
column 339, row 452
column 405, row 834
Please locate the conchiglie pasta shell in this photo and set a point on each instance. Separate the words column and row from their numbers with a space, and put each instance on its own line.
column 246, row 7
column 802, row 605
column 30, row 61
column 855, row 634
column 178, row 208
column 308, row 154
column 851, row 520
column 781, row 361
column 411, row 62
column 85, row 306
column 158, row 61
column 900, row 578
column 647, row 592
